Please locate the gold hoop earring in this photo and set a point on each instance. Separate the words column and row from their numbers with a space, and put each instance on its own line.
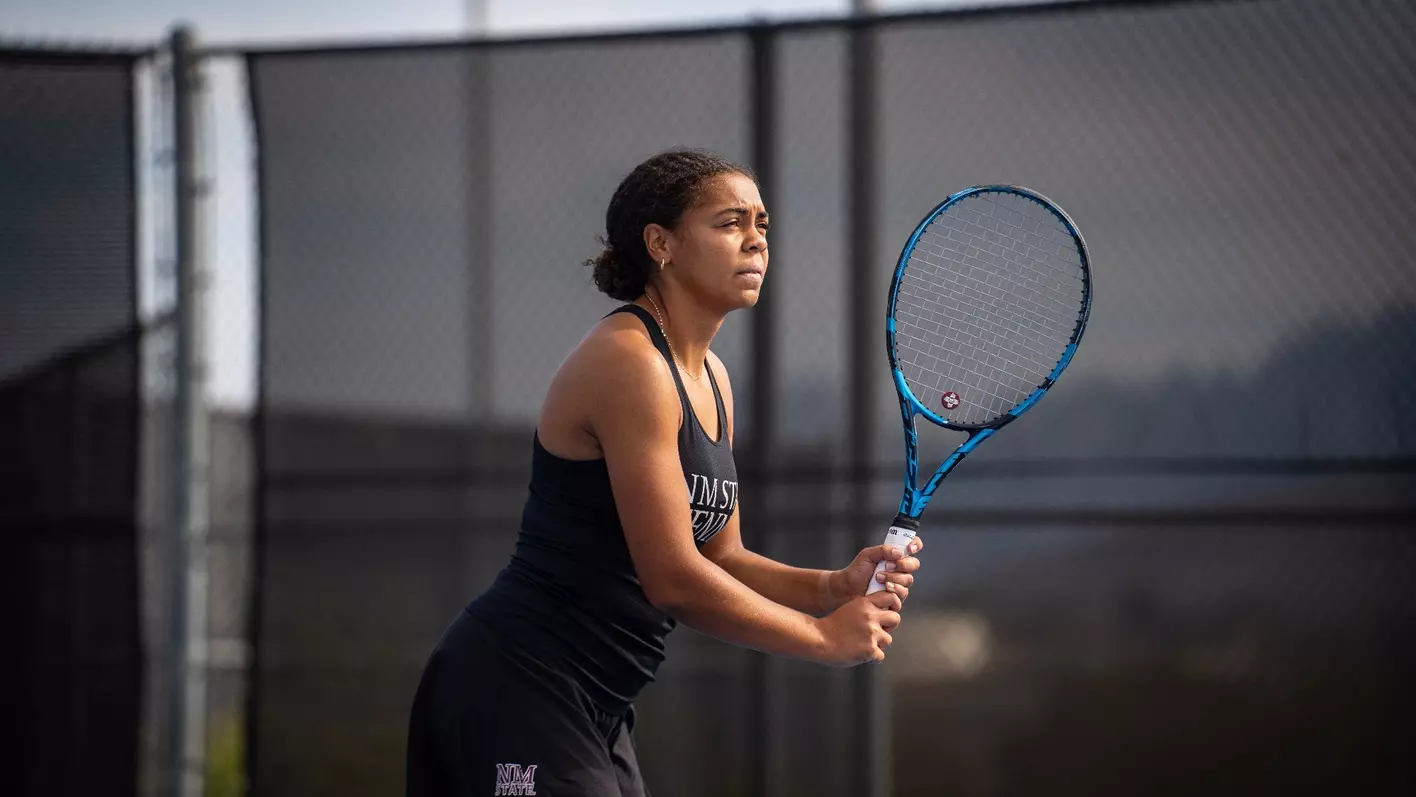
column 663, row 263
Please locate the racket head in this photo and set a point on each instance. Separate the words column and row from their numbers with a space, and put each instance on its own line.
column 989, row 299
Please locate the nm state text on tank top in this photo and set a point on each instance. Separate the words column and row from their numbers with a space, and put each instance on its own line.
column 712, row 501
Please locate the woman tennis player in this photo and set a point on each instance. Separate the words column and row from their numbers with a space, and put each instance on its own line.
column 631, row 525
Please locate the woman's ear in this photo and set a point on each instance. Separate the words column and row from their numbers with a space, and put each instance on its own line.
column 659, row 243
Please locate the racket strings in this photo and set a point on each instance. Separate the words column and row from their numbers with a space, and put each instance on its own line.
column 1027, row 316
column 1065, row 254
column 997, row 313
column 955, row 354
column 988, row 303
column 970, row 338
column 997, row 404
column 1029, row 327
column 1036, row 314
column 957, row 360
column 1046, row 270
column 1061, row 267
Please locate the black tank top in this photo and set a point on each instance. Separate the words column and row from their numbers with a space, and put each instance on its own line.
column 570, row 596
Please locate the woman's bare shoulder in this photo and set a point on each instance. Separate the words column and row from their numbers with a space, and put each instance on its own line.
column 617, row 346
column 614, row 369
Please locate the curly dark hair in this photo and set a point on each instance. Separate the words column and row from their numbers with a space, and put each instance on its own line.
column 659, row 191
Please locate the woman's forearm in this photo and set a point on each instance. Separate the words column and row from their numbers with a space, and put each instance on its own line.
column 813, row 592
column 714, row 602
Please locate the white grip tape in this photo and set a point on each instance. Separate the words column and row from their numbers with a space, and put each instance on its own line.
column 898, row 537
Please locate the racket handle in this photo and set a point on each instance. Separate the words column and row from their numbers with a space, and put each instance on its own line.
column 898, row 537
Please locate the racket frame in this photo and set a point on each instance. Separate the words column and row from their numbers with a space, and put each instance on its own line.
column 915, row 498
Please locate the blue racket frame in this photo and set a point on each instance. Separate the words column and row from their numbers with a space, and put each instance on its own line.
column 915, row 498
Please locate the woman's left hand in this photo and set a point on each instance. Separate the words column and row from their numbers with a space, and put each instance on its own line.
column 897, row 576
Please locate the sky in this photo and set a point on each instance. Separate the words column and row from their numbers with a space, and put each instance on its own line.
column 227, row 21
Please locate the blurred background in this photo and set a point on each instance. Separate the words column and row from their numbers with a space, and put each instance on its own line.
column 281, row 291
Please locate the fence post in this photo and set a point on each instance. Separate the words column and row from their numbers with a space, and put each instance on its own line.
column 872, row 776
column 191, row 448
column 762, row 89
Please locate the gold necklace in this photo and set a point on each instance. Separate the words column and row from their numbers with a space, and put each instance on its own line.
column 659, row 316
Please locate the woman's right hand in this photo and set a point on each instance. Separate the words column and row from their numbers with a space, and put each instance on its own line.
column 859, row 630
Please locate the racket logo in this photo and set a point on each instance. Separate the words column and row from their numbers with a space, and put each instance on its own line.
column 950, row 400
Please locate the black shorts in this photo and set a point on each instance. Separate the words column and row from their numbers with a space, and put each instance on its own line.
column 487, row 721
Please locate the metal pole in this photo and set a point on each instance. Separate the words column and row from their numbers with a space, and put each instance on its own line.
column 481, row 301
column 191, row 449
column 476, row 14
column 762, row 89
column 872, row 776
column 480, row 280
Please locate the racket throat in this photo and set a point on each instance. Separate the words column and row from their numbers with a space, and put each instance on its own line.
column 917, row 497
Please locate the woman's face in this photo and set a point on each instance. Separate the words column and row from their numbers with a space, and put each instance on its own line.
column 719, row 249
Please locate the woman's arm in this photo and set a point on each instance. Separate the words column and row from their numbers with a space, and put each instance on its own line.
column 814, row 592
column 635, row 415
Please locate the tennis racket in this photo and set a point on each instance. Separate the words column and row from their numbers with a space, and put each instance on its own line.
column 987, row 305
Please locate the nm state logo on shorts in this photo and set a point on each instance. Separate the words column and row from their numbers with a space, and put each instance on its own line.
column 513, row 780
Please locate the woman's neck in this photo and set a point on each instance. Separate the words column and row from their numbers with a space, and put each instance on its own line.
column 689, row 326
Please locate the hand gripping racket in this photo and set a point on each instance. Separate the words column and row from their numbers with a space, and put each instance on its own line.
column 987, row 306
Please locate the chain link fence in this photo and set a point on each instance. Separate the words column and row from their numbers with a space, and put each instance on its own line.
column 1142, row 542
column 69, row 420
column 1185, row 572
